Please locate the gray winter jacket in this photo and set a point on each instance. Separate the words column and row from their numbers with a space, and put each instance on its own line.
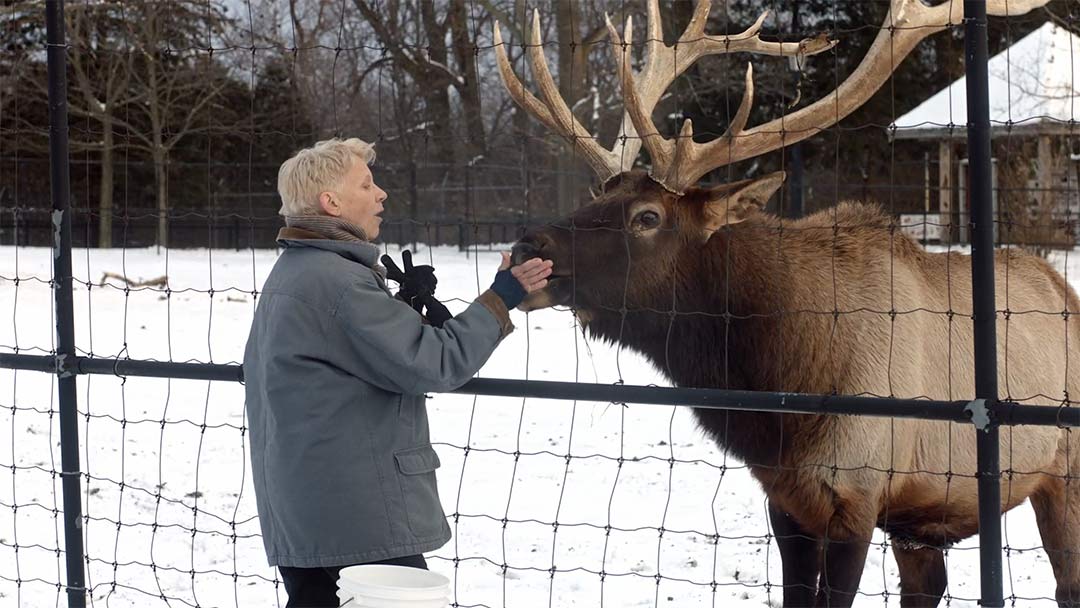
column 335, row 371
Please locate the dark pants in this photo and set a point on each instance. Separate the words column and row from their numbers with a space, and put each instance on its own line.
column 317, row 587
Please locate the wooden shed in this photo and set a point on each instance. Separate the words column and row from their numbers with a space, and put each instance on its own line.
column 1035, row 130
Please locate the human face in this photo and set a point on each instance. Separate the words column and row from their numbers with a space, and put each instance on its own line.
column 357, row 200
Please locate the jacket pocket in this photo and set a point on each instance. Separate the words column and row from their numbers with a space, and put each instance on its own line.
column 416, row 468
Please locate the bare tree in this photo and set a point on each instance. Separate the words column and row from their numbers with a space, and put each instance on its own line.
column 102, row 70
column 99, row 68
column 426, row 64
column 468, row 83
column 306, row 36
column 171, row 86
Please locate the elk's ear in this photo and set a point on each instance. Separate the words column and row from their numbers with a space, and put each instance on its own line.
column 733, row 203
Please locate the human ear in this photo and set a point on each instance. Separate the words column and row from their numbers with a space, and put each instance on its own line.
column 329, row 204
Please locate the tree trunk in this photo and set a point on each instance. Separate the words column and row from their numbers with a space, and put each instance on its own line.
column 465, row 54
column 161, row 176
column 441, row 150
column 567, row 184
column 105, row 197
column 435, row 87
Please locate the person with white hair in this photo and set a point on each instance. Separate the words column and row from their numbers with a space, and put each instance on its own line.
column 336, row 369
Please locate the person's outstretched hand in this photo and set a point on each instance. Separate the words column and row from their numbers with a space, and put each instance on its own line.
column 416, row 281
column 512, row 284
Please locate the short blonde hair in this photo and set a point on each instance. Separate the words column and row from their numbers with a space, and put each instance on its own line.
column 317, row 169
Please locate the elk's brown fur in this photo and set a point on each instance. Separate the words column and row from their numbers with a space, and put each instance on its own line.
column 837, row 302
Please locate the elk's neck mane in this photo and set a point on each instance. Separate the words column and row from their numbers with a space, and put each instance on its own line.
column 736, row 324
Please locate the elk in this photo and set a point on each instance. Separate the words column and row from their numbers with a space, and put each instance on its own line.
column 717, row 293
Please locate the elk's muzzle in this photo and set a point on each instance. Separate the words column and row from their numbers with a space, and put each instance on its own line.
column 539, row 245
column 523, row 251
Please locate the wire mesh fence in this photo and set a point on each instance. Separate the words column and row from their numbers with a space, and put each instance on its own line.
column 855, row 377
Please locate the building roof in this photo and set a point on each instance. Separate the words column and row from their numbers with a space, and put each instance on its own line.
column 1034, row 87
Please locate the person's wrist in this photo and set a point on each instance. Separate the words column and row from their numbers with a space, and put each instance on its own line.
column 508, row 288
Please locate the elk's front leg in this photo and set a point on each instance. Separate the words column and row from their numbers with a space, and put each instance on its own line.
column 1057, row 510
column 844, row 554
column 922, row 574
column 800, row 555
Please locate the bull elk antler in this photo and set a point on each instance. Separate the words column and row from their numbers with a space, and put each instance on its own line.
column 681, row 163
column 662, row 65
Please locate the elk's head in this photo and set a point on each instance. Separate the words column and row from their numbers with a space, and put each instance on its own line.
column 636, row 233
column 624, row 247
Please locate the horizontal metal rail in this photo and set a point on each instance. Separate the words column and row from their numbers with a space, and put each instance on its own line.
column 980, row 412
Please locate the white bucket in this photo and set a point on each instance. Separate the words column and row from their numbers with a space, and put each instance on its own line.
column 382, row 586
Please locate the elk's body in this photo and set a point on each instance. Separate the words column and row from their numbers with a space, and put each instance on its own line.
column 718, row 294
column 768, row 294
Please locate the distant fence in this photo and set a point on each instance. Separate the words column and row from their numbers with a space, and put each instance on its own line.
column 138, row 228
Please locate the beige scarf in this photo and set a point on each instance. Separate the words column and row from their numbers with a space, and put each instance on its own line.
column 337, row 229
column 331, row 227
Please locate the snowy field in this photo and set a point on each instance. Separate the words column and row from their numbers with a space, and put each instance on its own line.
column 171, row 510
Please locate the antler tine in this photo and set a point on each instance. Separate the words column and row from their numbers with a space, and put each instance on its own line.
column 515, row 88
column 552, row 111
column 665, row 63
column 695, row 45
column 743, row 113
column 659, row 148
column 662, row 65
column 684, row 154
column 696, row 28
column 1012, row 8
column 689, row 154
column 906, row 25
column 602, row 161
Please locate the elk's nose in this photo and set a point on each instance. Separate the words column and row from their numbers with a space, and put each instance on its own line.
column 523, row 250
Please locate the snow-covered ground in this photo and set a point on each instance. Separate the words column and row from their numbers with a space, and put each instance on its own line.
column 171, row 510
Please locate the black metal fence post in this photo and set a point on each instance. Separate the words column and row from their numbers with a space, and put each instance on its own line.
column 982, row 278
column 65, row 318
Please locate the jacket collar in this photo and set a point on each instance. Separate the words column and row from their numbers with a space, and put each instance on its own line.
column 358, row 251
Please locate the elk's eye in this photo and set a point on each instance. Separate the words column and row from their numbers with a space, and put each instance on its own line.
column 648, row 219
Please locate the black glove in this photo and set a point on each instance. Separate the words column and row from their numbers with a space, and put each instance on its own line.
column 415, row 281
column 436, row 314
